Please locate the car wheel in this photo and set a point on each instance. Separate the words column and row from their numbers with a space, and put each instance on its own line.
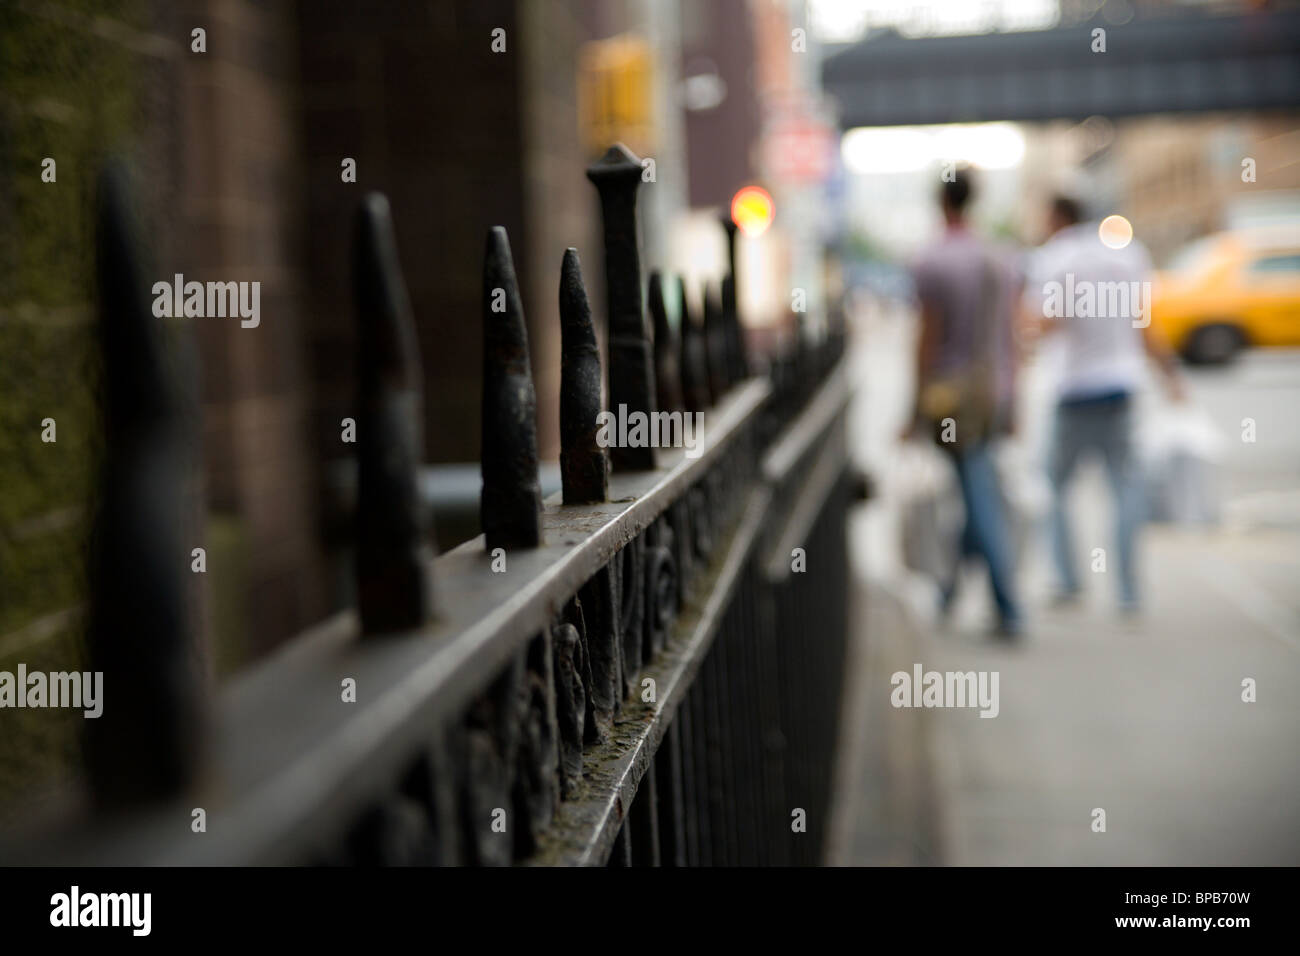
column 1214, row 344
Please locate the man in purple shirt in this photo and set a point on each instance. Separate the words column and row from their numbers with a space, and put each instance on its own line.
column 965, row 377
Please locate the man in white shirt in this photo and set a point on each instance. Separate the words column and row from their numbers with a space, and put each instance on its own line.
column 1097, row 299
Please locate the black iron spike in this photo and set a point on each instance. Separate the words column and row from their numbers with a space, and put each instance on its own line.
column 730, row 227
column 737, row 361
column 146, row 743
column 715, row 343
column 584, row 464
column 616, row 176
column 510, row 509
column 394, row 569
column 694, row 364
column 737, row 358
column 668, row 380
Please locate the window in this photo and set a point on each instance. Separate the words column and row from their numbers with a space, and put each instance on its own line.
column 1285, row 263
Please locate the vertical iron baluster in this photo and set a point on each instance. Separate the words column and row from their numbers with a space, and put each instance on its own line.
column 708, row 757
column 621, row 855
column 631, row 597
column 683, row 553
column 723, row 702
column 144, row 745
column 692, row 785
column 510, row 509
column 754, row 691
column 773, row 742
column 671, row 798
column 645, row 820
column 617, row 175
column 394, row 553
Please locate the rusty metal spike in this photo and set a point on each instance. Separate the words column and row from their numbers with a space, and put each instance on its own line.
column 584, row 464
column 694, row 364
column 145, row 745
column 737, row 358
column 510, row 509
column 394, row 569
column 737, row 362
column 715, row 343
column 737, row 355
column 616, row 176
column 731, row 229
column 668, row 378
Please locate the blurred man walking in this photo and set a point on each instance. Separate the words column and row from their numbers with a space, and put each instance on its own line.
column 964, row 379
column 1096, row 298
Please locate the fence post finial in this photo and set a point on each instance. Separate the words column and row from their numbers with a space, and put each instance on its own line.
column 617, row 175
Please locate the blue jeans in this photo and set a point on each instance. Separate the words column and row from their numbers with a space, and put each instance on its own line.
column 1101, row 426
column 985, row 533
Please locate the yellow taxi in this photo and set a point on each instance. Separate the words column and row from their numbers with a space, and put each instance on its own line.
column 1230, row 290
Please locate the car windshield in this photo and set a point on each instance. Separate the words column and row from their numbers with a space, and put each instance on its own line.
column 1192, row 257
column 1277, row 262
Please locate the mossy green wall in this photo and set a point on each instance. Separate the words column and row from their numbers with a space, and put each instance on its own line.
column 67, row 91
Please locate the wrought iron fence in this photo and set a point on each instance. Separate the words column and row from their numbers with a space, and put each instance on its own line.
column 643, row 669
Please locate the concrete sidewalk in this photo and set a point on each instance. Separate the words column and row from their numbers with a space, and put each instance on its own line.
column 1144, row 719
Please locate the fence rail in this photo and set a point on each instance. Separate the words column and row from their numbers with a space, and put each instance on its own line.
column 636, row 671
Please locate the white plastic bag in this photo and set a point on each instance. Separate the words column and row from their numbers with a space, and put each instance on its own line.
column 1182, row 449
column 922, row 479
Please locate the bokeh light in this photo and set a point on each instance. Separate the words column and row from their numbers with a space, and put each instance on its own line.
column 752, row 210
column 1115, row 231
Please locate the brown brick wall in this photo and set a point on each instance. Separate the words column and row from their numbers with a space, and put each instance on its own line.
column 560, row 203
column 432, row 118
column 242, row 218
